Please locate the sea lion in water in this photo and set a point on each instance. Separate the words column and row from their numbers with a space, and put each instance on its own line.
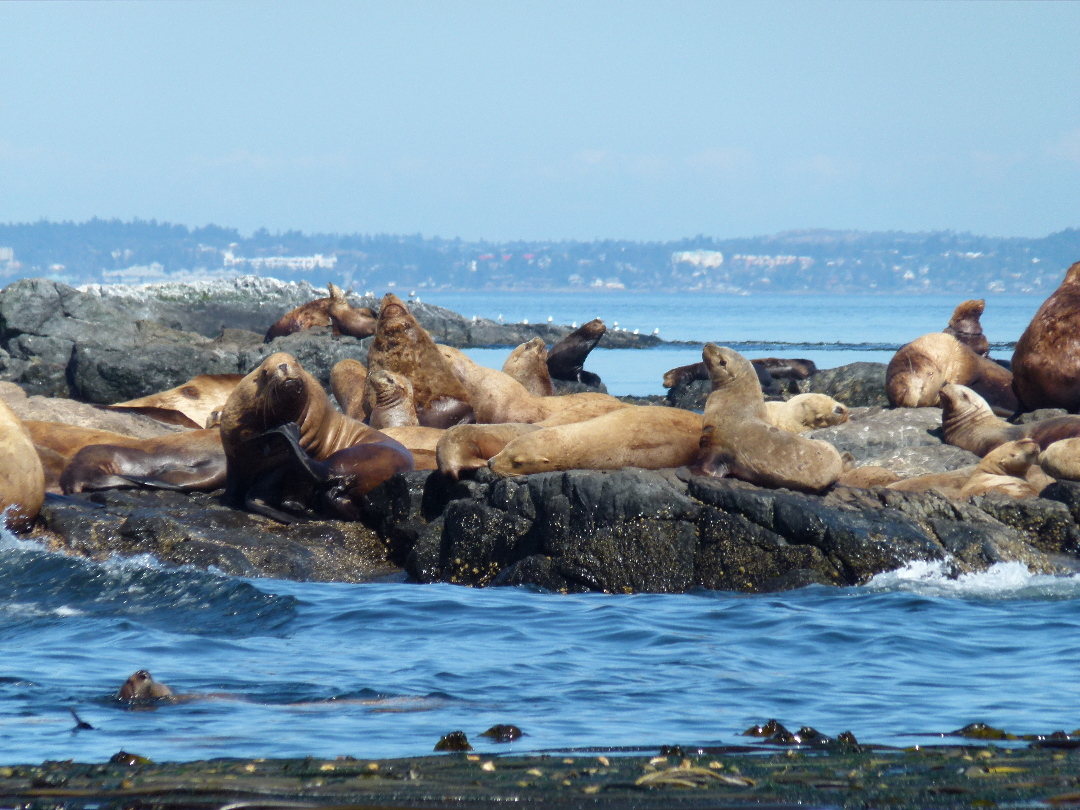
column 964, row 325
column 566, row 358
column 345, row 456
column 22, row 478
column 1002, row 470
column 646, row 436
column 142, row 688
column 187, row 462
column 394, row 406
column 528, row 365
column 188, row 405
column 968, row 422
column 1046, row 362
column 347, row 380
column 806, row 412
column 737, row 439
column 335, row 312
column 463, row 448
column 403, row 346
column 919, row 369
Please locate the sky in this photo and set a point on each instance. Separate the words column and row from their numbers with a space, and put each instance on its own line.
column 546, row 120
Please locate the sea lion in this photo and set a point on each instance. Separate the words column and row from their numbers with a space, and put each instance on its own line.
column 187, row 462
column 964, row 325
column 22, row 478
column 643, row 436
column 806, row 412
column 528, row 365
column 335, row 312
column 867, row 477
column 394, row 406
column 919, row 369
column 347, row 380
column 1002, row 470
column 1062, row 460
column 420, row 441
column 684, row 375
column 784, row 368
column 469, row 447
column 345, row 456
column 737, row 439
column 403, row 346
column 968, row 422
column 188, row 405
column 1046, row 362
column 142, row 688
column 565, row 358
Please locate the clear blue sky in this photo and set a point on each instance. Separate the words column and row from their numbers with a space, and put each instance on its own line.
column 544, row 120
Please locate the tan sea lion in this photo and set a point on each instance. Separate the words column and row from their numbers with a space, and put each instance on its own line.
column 964, row 325
column 469, row 447
column 187, row 462
column 737, row 440
column 1002, row 470
column 649, row 437
column 919, row 369
column 867, row 477
column 394, row 406
column 947, row 483
column 403, row 346
column 347, row 380
column 420, row 441
column 188, row 405
column 806, row 412
column 968, row 422
column 528, row 365
column 1046, row 362
column 142, row 688
column 337, row 451
column 565, row 358
column 22, row 479
column 1061, row 460
column 335, row 312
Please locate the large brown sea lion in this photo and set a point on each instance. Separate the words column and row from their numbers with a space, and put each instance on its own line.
column 1046, row 362
column 566, row 358
column 335, row 312
column 403, row 346
column 188, row 462
column 347, row 380
column 738, row 441
column 1002, row 470
column 188, row 405
column 469, row 447
column 968, row 422
column 22, row 479
column 528, row 365
column 345, row 456
column 806, row 412
column 638, row 436
column 919, row 369
column 964, row 325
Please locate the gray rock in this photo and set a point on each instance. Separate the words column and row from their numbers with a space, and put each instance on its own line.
column 874, row 433
column 856, row 384
column 911, row 461
column 1039, row 415
column 316, row 350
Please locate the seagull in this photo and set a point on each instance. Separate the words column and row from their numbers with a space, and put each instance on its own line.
column 550, row 319
column 500, row 318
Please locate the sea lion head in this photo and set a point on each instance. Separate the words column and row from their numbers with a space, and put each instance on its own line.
column 274, row 393
column 964, row 325
column 394, row 316
column 1011, row 458
column 959, row 402
column 821, row 410
column 593, row 330
column 336, row 293
column 390, row 388
column 141, row 687
column 726, row 366
column 1072, row 275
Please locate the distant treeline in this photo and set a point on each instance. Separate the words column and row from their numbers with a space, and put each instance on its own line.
column 819, row 261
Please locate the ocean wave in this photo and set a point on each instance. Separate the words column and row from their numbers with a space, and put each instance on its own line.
column 1005, row 580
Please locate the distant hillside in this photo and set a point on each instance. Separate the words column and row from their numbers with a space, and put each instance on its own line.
column 101, row 251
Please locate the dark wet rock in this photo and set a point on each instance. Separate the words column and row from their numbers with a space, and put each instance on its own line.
column 45, row 379
column 1039, row 415
column 1045, row 524
column 316, row 350
column 856, row 384
column 574, row 387
column 877, row 433
column 1066, row 492
column 690, row 396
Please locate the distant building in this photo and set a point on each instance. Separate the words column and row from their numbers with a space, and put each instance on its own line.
column 293, row 263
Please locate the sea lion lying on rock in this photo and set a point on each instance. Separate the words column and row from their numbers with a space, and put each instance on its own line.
column 737, row 440
column 806, row 412
column 967, row 421
column 1002, row 470
column 22, row 478
column 1061, row 460
column 463, row 448
column 964, row 325
column 919, row 369
column 335, row 312
column 566, row 358
column 528, row 365
column 187, row 405
column 1046, row 362
column 684, row 375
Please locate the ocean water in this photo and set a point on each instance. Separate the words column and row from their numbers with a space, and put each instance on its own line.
column 276, row 668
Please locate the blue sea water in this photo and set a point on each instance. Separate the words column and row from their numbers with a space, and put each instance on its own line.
column 278, row 668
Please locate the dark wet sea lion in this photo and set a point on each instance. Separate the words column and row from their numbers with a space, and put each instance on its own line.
column 683, row 375
column 738, row 441
column 528, row 365
column 22, row 478
column 964, row 325
column 188, row 462
column 349, row 457
column 566, row 358
column 1046, row 362
column 784, row 368
column 142, row 688
column 190, row 404
column 403, row 346
column 334, row 311
column 347, row 380
column 919, row 369
column 968, row 422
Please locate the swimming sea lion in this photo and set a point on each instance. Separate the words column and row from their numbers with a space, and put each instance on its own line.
column 1046, row 362
column 335, row 312
column 394, row 406
column 917, row 371
column 964, row 325
column 1002, row 470
column 469, row 447
column 565, row 358
column 968, row 422
column 528, row 365
column 141, row 688
column 737, row 439
column 403, row 346
column 22, row 479
column 189, row 405
column 347, row 380
column 349, row 457
column 1062, row 460
column 806, row 412
column 645, row 436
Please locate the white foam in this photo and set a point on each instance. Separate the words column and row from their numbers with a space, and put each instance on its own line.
column 1006, row 580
